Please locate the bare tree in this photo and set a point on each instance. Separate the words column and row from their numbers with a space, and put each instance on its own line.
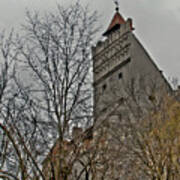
column 7, row 96
column 54, row 94
column 134, row 143
column 122, row 121
column 156, row 145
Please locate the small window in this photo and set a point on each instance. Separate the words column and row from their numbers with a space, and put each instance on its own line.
column 104, row 87
column 152, row 98
column 120, row 75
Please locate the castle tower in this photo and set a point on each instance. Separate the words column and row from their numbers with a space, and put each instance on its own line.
column 123, row 73
column 119, row 60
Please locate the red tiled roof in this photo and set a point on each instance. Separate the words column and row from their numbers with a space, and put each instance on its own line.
column 117, row 19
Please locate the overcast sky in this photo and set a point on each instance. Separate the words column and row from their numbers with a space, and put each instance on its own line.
column 156, row 22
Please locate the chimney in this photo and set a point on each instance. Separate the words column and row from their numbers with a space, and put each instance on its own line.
column 131, row 24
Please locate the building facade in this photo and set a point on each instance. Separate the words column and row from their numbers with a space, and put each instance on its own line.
column 119, row 60
column 127, row 85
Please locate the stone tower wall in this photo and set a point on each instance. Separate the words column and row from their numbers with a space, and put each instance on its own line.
column 119, row 60
column 109, row 57
column 125, row 79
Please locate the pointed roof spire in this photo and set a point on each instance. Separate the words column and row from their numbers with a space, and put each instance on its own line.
column 116, row 21
column 117, row 5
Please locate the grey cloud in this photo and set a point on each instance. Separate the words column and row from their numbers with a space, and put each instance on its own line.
column 157, row 23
